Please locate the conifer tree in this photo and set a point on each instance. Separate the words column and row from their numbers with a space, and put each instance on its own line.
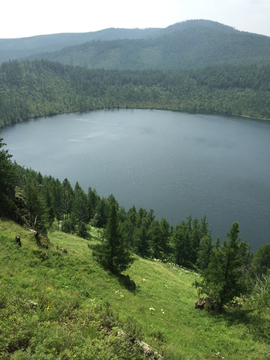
column 182, row 244
column 223, row 279
column 204, row 252
column 113, row 253
column 7, row 181
column 142, row 242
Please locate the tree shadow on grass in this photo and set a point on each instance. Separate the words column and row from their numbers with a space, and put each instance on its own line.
column 126, row 282
column 234, row 316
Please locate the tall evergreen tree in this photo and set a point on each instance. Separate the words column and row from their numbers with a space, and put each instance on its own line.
column 7, row 181
column 203, row 256
column 79, row 207
column 142, row 244
column 113, row 253
column 37, row 216
column 223, row 279
column 182, row 244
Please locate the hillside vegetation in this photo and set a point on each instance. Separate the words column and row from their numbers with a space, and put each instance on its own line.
column 190, row 44
column 197, row 45
column 20, row 48
column 56, row 302
column 42, row 88
column 11, row 49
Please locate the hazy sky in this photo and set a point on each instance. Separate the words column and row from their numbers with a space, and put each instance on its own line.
column 22, row 18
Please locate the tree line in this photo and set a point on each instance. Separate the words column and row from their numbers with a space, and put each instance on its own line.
column 42, row 88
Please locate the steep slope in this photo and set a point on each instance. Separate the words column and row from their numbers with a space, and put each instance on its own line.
column 57, row 302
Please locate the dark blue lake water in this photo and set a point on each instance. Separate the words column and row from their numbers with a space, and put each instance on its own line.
column 175, row 163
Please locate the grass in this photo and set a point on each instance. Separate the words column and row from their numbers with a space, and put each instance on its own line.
column 77, row 301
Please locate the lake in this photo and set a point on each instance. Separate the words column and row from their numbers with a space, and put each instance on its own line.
column 176, row 163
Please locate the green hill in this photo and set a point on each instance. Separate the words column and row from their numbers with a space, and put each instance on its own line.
column 192, row 44
column 189, row 44
column 11, row 49
column 56, row 302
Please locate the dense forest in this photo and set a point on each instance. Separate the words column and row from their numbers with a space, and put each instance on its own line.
column 195, row 46
column 43, row 88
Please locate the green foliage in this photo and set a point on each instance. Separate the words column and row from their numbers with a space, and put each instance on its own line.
column 182, row 245
column 204, row 252
column 47, row 88
column 72, row 315
column 261, row 261
column 142, row 242
column 83, row 231
column 260, row 326
column 223, row 279
column 192, row 44
column 113, row 253
column 37, row 216
column 7, row 182
column 69, row 225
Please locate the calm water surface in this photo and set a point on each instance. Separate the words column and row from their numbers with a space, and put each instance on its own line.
column 175, row 163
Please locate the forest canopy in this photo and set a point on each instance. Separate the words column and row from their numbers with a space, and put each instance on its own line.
column 43, row 88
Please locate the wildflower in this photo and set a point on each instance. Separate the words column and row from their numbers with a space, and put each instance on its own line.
column 151, row 309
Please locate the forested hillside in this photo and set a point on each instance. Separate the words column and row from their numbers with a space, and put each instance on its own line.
column 189, row 44
column 198, row 44
column 23, row 47
column 42, row 88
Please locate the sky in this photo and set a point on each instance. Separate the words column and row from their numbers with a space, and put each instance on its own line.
column 23, row 18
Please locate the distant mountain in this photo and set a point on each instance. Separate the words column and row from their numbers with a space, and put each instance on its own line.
column 20, row 48
column 189, row 44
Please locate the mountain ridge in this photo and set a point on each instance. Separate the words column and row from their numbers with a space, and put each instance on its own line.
column 49, row 46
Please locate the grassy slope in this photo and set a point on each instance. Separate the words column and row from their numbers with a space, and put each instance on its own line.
column 174, row 326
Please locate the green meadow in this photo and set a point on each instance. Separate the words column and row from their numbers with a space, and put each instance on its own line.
column 57, row 302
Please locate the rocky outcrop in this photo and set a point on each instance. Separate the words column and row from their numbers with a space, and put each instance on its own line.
column 204, row 303
column 149, row 353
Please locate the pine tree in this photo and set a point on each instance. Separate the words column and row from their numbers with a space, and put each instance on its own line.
column 223, row 279
column 204, row 252
column 142, row 242
column 7, row 181
column 182, row 244
column 113, row 253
